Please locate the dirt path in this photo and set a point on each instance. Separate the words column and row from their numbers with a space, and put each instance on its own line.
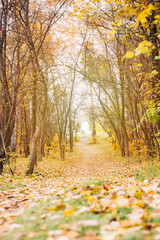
column 87, row 163
column 90, row 161
column 56, row 206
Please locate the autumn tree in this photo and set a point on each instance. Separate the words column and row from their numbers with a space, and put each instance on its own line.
column 121, row 27
column 13, row 65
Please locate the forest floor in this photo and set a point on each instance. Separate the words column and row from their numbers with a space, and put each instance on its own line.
column 93, row 195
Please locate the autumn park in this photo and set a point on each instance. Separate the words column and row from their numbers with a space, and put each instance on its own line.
column 79, row 120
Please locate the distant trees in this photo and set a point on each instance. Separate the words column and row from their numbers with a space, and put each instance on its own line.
column 123, row 66
column 13, row 63
column 118, row 58
column 24, row 30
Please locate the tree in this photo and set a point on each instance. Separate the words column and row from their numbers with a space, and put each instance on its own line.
column 12, row 71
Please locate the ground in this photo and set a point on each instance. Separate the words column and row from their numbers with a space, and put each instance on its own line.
column 93, row 194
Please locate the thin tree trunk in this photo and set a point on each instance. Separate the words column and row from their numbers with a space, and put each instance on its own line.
column 71, row 134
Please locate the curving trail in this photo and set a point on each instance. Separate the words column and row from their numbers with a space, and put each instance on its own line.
column 90, row 161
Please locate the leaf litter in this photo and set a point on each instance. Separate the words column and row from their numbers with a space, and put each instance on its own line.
column 82, row 206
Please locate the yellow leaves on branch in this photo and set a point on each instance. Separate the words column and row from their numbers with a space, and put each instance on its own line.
column 129, row 54
column 143, row 47
column 142, row 16
column 154, row 72
column 119, row 23
column 113, row 32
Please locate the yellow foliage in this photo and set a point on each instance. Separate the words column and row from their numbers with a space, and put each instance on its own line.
column 90, row 198
column 142, row 16
column 113, row 32
column 137, row 52
column 69, row 212
column 129, row 54
column 144, row 47
column 101, row 66
column 119, row 23
column 154, row 72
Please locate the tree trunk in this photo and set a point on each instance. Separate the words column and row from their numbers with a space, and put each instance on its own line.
column 71, row 134
column 33, row 154
column 40, row 146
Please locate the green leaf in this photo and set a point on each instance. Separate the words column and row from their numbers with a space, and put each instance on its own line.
column 155, row 119
column 124, row 57
column 157, row 58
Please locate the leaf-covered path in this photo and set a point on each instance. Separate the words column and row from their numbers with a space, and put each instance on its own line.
column 95, row 161
column 92, row 195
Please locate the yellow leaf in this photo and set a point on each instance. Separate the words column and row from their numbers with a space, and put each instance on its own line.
column 119, row 23
column 150, row 9
column 90, row 198
column 68, row 212
column 139, row 194
column 137, row 24
column 51, row 209
column 156, row 22
column 142, row 17
column 154, row 72
column 130, row 223
column 114, row 196
column 157, row 16
column 144, row 49
column 137, row 52
column 114, row 31
column 139, row 65
column 140, row 204
column 129, row 54
column 72, row 15
column 79, row 16
column 101, row 66
column 71, row 234
column 60, row 207
column 144, row 43
column 82, row 11
column 85, row 192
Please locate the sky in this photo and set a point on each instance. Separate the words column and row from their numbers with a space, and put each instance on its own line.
column 85, row 127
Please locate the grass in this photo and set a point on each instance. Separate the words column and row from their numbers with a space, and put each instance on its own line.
column 133, row 236
column 123, row 212
column 50, row 215
column 99, row 182
column 33, row 222
column 148, row 172
column 8, row 187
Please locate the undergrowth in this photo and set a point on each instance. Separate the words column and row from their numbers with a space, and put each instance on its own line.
column 147, row 171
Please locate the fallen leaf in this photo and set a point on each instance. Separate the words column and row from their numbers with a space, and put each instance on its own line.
column 55, row 233
column 130, row 223
column 92, row 222
column 68, row 212
column 60, row 207
column 106, row 187
column 15, row 226
column 71, row 234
